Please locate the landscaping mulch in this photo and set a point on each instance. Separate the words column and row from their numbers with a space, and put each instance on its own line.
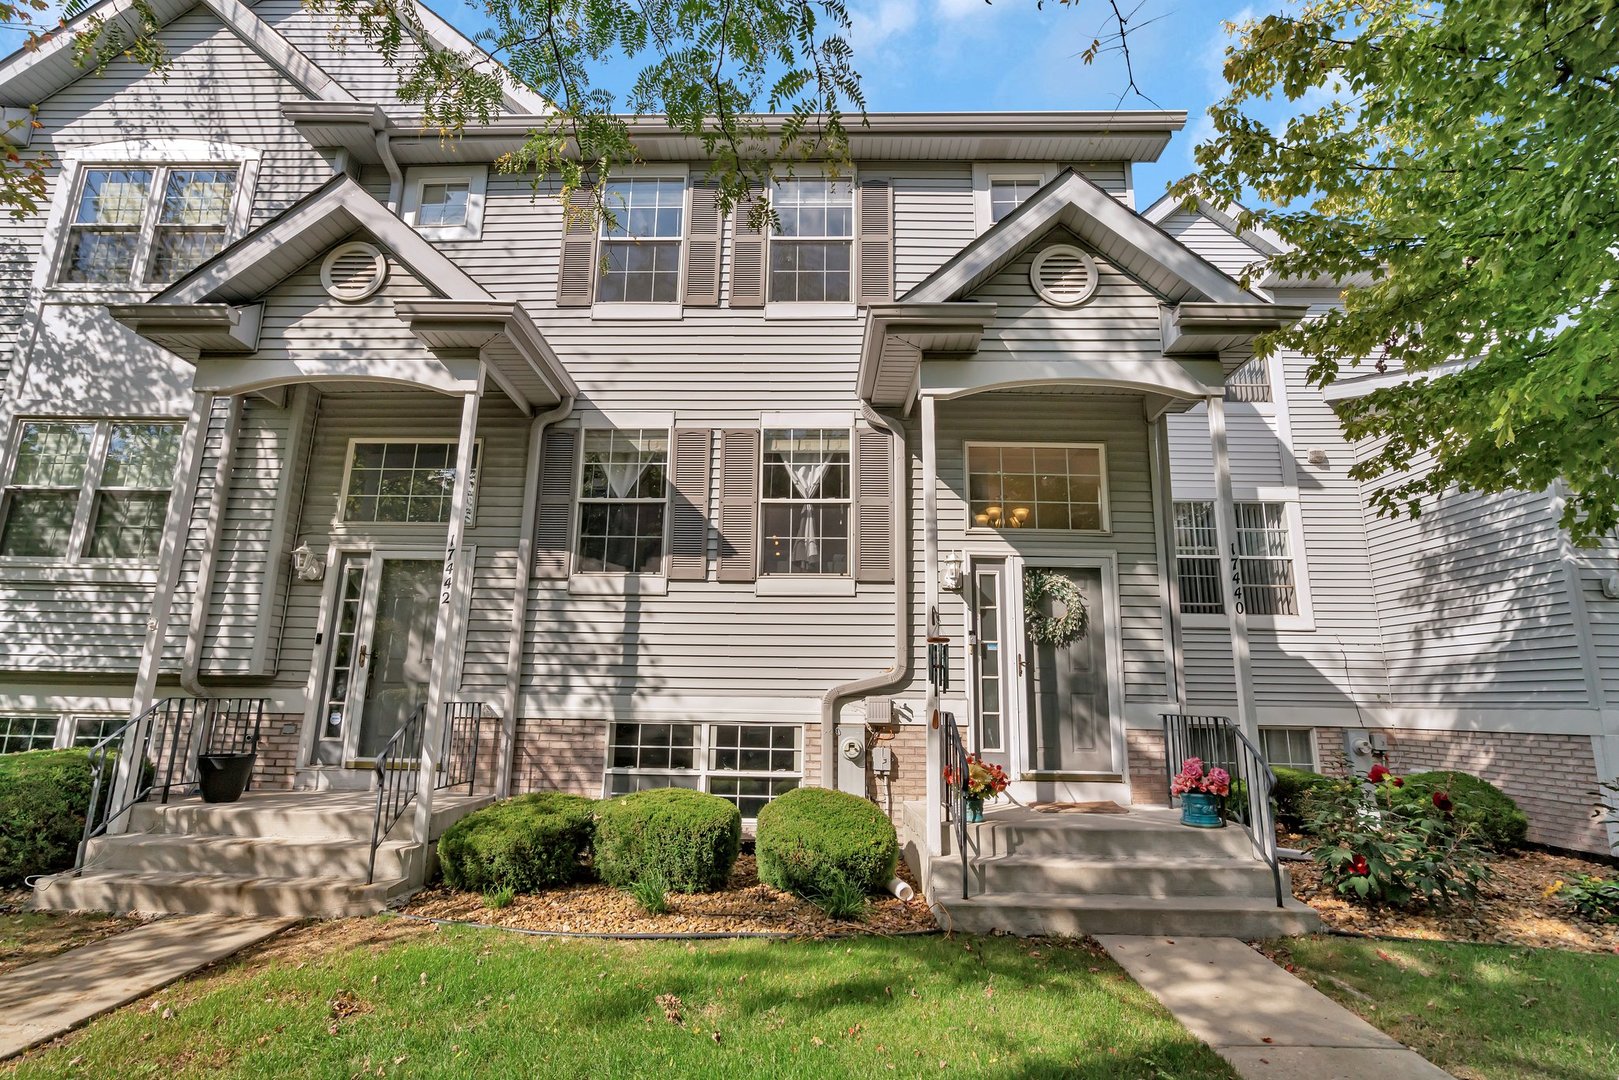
column 745, row 905
column 27, row 937
column 1515, row 906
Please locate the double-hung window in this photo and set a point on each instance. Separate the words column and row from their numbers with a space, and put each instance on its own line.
column 812, row 250
column 1264, row 559
column 105, row 481
column 804, row 510
column 642, row 223
column 134, row 226
column 748, row 764
column 623, row 499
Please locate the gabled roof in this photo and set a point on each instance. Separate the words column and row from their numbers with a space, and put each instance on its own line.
column 256, row 263
column 1261, row 239
column 1125, row 238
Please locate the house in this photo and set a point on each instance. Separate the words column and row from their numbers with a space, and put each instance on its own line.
column 324, row 433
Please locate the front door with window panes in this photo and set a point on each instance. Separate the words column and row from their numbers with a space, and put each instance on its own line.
column 990, row 737
column 379, row 652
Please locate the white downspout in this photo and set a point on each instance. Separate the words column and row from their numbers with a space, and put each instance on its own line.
column 396, row 179
column 525, row 569
column 897, row 672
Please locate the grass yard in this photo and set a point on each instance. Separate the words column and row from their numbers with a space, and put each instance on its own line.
column 1483, row 1012
column 385, row 997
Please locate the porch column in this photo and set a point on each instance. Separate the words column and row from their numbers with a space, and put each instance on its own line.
column 441, row 682
column 930, row 604
column 170, row 552
column 1225, row 524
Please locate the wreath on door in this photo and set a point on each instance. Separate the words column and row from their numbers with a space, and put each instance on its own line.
column 1061, row 590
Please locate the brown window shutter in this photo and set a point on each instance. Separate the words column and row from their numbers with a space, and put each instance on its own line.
column 875, row 242
column 576, row 270
column 739, row 505
column 748, row 265
column 553, row 530
column 688, row 534
column 874, row 507
column 703, row 242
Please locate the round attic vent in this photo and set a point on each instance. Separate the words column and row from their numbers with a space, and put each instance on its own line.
column 1063, row 275
column 353, row 272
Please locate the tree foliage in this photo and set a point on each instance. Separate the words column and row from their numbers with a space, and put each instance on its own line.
column 1462, row 162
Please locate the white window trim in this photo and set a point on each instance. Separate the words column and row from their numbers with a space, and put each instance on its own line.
column 702, row 747
column 477, row 178
column 612, row 582
column 987, row 172
column 342, row 524
column 816, row 309
column 130, row 154
column 1289, row 499
column 614, row 311
column 84, row 512
column 805, row 584
column 1309, row 733
column 975, row 529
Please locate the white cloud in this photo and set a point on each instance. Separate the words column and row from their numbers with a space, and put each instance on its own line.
column 961, row 9
column 869, row 29
column 1213, row 56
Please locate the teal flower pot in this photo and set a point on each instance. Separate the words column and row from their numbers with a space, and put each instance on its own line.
column 975, row 809
column 1201, row 811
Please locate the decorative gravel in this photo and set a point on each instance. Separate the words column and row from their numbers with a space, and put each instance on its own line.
column 744, row 906
column 1516, row 906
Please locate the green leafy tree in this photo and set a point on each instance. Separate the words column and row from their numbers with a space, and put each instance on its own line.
column 1463, row 159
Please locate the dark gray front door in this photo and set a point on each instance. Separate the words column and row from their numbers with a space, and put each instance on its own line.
column 1069, row 727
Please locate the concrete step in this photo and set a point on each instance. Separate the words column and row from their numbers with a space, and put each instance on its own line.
column 1141, row 834
column 247, row 856
column 168, row 892
column 291, row 815
column 1036, row 914
column 1147, row 875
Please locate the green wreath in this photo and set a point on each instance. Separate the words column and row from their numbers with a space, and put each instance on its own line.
column 1041, row 585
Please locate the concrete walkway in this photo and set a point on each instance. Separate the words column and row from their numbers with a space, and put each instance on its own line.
column 1266, row 1023
column 50, row 998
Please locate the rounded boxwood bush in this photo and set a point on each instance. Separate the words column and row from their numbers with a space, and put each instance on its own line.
column 43, row 797
column 812, row 839
column 524, row 844
column 1293, row 786
column 1489, row 813
column 688, row 838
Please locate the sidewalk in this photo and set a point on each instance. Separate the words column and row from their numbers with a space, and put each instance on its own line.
column 52, row 997
column 1266, row 1023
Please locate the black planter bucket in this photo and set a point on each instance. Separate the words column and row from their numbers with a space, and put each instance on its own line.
column 223, row 777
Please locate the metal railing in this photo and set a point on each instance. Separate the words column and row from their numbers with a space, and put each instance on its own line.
column 399, row 766
column 166, row 741
column 955, row 787
column 1219, row 742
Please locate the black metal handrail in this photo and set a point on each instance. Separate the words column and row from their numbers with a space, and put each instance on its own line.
column 399, row 766
column 1219, row 742
column 166, row 740
column 955, row 787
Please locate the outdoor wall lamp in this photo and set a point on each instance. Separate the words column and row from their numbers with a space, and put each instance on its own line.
column 950, row 570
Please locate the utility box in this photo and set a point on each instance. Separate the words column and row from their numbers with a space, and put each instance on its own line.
column 852, row 758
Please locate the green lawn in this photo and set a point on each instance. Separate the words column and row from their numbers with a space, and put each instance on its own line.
column 391, row 1000
column 1491, row 1011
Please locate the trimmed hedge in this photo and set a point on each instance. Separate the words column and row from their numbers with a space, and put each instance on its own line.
column 43, row 796
column 1491, row 816
column 525, row 844
column 688, row 837
column 1293, row 787
column 811, row 839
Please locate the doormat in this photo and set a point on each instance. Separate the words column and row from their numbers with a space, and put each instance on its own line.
column 1103, row 807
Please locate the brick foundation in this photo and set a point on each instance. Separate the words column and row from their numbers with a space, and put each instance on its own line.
column 559, row 755
column 1148, row 780
column 907, row 781
column 277, row 761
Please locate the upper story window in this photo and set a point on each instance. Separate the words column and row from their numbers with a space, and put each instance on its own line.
column 804, row 508
column 641, row 230
column 1264, row 559
column 139, row 226
column 812, row 249
column 1037, row 487
column 89, row 489
column 1006, row 194
column 623, row 499
column 445, row 202
column 403, row 482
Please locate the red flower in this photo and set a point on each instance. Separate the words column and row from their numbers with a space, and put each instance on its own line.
column 1441, row 801
column 1360, row 866
column 1398, row 781
column 1378, row 774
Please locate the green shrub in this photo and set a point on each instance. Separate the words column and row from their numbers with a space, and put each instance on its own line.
column 1481, row 808
column 1392, row 851
column 524, row 844
column 43, row 797
column 688, row 838
column 1595, row 898
column 1293, row 787
column 813, row 841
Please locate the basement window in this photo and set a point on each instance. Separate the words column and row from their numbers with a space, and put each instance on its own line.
column 746, row 764
column 1291, row 748
column 22, row 733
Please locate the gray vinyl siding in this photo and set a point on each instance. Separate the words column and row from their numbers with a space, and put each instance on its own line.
column 1214, row 243
column 342, row 52
column 73, row 623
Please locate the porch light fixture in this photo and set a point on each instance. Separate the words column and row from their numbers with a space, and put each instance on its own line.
column 950, row 571
column 306, row 564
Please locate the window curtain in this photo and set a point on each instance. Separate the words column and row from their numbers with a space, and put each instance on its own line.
column 623, row 477
column 806, row 478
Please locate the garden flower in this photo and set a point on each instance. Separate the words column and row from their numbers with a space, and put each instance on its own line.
column 1398, row 781
column 1378, row 774
column 1361, row 867
column 1218, row 782
column 1441, row 801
